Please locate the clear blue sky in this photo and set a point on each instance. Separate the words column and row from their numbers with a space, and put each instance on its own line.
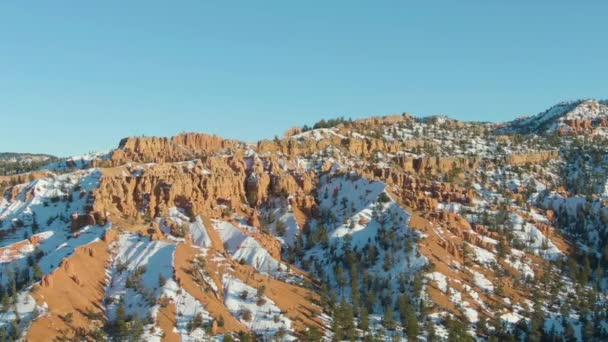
column 77, row 76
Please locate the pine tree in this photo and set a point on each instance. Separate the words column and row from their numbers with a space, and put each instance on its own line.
column 457, row 331
column 411, row 326
column 281, row 228
column 588, row 330
column 354, row 285
column 6, row 302
column 312, row 335
column 364, row 319
column 121, row 329
column 13, row 290
column 196, row 322
column 502, row 248
column 388, row 320
column 161, row 280
column 536, row 322
column 481, row 327
column 343, row 322
column 37, row 272
column 15, row 331
column 137, row 328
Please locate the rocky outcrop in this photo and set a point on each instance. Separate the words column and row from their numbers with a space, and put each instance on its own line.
column 364, row 147
column 384, row 120
column 435, row 165
column 80, row 221
column 214, row 187
column 160, row 149
column 293, row 146
column 205, row 188
column 536, row 157
column 292, row 131
column 421, row 193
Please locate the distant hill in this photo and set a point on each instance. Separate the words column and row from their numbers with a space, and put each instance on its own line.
column 14, row 163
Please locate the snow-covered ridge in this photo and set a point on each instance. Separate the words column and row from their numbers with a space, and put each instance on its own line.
column 37, row 222
column 75, row 162
column 317, row 134
column 554, row 117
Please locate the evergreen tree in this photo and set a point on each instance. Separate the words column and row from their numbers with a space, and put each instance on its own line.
column 137, row 328
column 364, row 320
column 355, row 292
column 588, row 330
column 121, row 329
column 37, row 272
column 161, row 280
column 411, row 323
column 6, row 302
column 343, row 322
column 313, row 334
column 388, row 320
column 536, row 322
column 457, row 331
column 15, row 331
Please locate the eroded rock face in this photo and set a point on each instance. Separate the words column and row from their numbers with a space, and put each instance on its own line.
column 79, row 221
column 420, row 193
column 209, row 188
column 292, row 146
column 384, row 120
column 160, row 149
column 203, row 188
column 292, row 131
column 518, row 159
column 435, row 165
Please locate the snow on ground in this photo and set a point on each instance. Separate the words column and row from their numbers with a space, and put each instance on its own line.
column 440, row 330
column 440, row 279
column 241, row 301
column 481, row 255
column 515, row 260
column 153, row 259
column 355, row 212
column 199, row 234
column 456, row 297
column 511, row 317
column 25, row 309
column 247, row 249
column 76, row 162
column 482, row 282
column 534, row 239
column 252, row 253
column 291, row 227
column 41, row 212
column 475, row 296
column 230, row 234
column 186, row 309
column 134, row 254
column 318, row 134
column 453, row 207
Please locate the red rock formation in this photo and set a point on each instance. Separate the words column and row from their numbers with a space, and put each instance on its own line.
column 208, row 188
column 80, row 221
column 536, row 157
column 178, row 148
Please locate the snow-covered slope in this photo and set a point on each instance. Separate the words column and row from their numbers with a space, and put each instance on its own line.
column 557, row 117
